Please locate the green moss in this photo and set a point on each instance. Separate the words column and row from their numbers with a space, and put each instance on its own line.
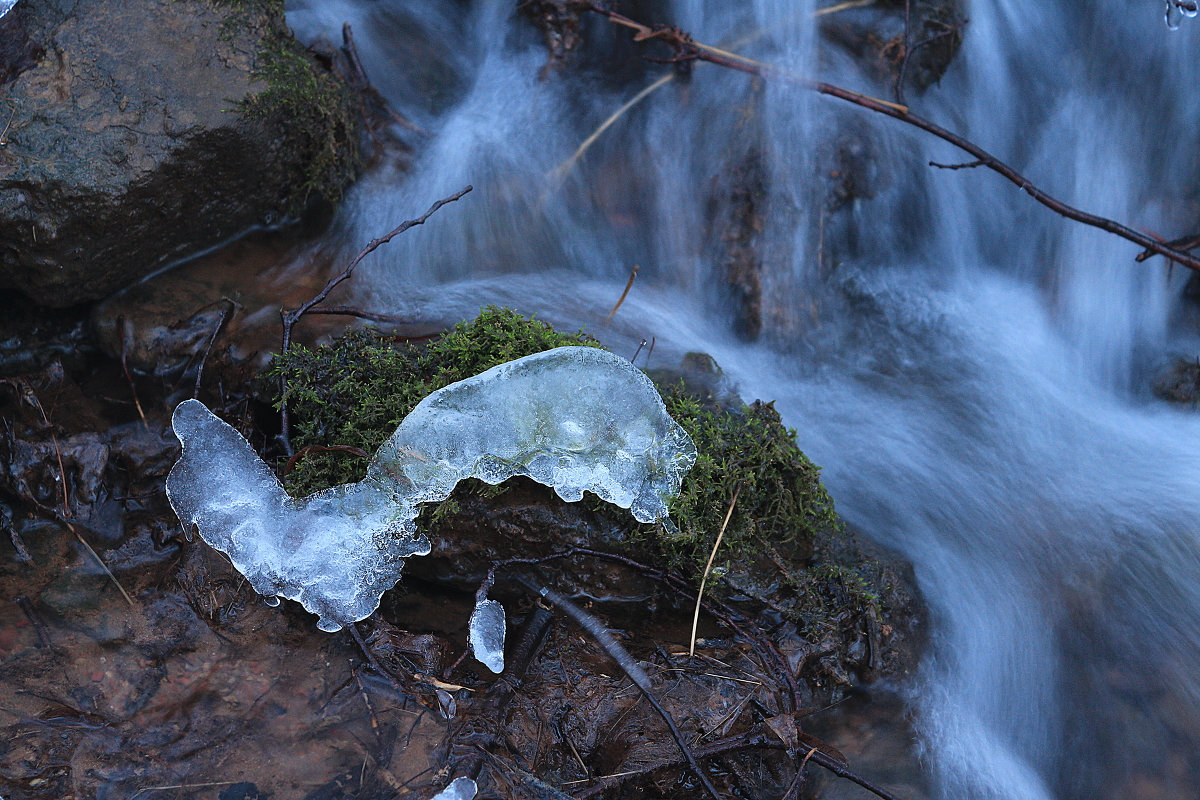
column 317, row 113
column 314, row 112
column 358, row 389
column 781, row 503
column 783, row 539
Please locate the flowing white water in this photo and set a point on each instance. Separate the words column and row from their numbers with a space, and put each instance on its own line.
column 972, row 376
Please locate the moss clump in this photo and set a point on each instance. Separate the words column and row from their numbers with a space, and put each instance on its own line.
column 314, row 113
column 781, row 504
column 358, row 389
column 317, row 113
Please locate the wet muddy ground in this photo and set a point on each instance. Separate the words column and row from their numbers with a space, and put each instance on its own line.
column 137, row 664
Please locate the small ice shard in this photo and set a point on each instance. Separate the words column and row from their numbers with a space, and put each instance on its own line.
column 573, row 418
column 486, row 634
column 459, row 789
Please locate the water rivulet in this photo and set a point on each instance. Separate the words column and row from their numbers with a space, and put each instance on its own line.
column 969, row 368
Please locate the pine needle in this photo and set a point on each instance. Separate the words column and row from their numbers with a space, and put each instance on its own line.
column 708, row 568
column 628, row 286
column 843, row 7
column 100, row 561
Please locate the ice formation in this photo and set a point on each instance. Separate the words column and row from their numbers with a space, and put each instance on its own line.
column 459, row 789
column 573, row 418
column 1178, row 9
column 485, row 632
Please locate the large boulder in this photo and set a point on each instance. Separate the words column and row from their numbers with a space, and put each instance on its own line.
column 143, row 132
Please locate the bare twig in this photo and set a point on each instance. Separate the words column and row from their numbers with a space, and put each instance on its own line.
column 208, row 347
column 685, row 46
column 949, row 30
column 1189, row 242
column 708, row 568
column 292, row 315
column 964, row 165
column 351, row 311
column 633, row 670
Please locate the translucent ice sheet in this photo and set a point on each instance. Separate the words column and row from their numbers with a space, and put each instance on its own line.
column 573, row 418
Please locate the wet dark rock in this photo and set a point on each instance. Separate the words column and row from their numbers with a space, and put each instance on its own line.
column 18, row 52
column 243, row 791
column 559, row 21
column 149, row 131
column 1179, row 382
column 527, row 520
column 736, row 210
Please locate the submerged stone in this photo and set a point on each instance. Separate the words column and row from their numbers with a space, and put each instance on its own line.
column 573, row 418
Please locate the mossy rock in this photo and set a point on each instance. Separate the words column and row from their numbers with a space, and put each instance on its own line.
column 305, row 103
column 139, row 134
column 784, row 547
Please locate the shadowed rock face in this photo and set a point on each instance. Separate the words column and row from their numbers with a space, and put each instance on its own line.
column 127, row 149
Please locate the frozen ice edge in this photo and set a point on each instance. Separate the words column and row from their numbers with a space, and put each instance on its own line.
column 574, row 418
column 459, row 789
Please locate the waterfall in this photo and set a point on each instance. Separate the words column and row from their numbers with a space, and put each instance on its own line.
column 969, row 368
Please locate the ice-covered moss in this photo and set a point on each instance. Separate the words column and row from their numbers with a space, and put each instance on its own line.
column 356, row 390
column 576, row 419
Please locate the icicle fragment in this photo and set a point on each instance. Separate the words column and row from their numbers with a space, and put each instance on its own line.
column 486, row 635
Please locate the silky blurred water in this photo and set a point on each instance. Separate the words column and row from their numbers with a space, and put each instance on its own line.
column 970, row 369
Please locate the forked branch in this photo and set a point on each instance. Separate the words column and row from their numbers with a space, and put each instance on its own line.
column 685, row 49
column 292, row 315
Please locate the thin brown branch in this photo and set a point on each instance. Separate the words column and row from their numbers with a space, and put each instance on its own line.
column 635, row 673
column 684, row 45
column 126, row 335
column 211, row 339
column 292, row 315
column 351, row 311
column 621, row 299
column 1189, row 242
column 910, row 49
column 964, row 165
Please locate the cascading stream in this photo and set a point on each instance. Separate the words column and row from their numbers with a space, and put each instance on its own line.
column 971, row 375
